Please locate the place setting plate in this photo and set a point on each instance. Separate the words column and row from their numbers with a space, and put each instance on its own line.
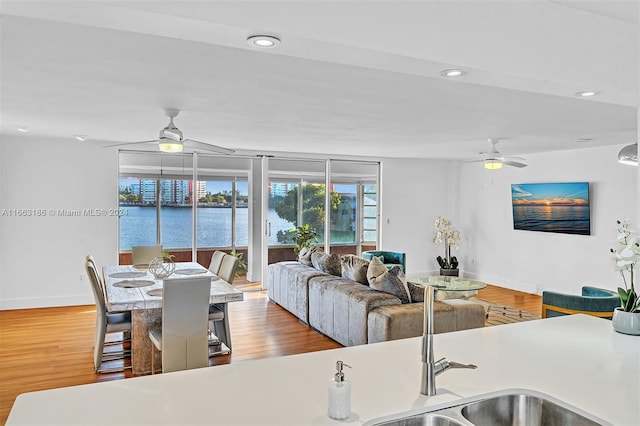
column 190, row 271
column 133, row 283
column 129, row 274
column 155, row 292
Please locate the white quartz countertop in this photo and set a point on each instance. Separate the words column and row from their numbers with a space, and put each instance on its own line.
column 577, row 359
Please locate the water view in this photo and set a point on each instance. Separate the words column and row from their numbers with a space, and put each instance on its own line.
column 138, row 227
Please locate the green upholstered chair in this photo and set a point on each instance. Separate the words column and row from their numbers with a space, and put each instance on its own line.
column 594, row 301
column 389, row 258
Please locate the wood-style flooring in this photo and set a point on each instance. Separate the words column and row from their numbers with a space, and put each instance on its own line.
column 53, row 347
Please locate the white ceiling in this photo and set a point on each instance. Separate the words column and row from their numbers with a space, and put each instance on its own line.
column 350, row 77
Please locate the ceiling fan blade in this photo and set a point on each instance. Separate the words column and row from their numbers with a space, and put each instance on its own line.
column 131, row 143
column 208, row 147
column 509, row 158
column 514, row 164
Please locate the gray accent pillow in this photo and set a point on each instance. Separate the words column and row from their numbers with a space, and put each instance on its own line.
column 391, row 281
column 416, row 291
column 354, row 268
column 304, row 256
column 327, row 263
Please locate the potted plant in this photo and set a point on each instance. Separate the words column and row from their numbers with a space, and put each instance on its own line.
column 626, row 318
column 242, row 265
column 304, row 236
column 447, row 234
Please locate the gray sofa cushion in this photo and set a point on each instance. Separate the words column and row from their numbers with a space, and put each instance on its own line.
column 355, row 268
column 339, row 308
column 288, row 286
column 391, row 281
column 402, row 321
column 327, row 263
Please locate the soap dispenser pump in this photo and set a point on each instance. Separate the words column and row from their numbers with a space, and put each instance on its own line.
column 339, row 394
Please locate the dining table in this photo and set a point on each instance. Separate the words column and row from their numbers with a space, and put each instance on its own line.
column 135, row 289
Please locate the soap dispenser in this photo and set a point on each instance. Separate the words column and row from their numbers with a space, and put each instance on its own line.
column 339, row 394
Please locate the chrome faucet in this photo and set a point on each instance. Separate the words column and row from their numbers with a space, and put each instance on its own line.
column 431, row 369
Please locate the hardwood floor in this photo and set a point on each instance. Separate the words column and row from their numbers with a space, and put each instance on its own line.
column 53, row 347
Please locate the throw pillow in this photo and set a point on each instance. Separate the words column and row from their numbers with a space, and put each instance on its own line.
column 304, row 256
column 327, row 263
column 355, row 268
column 416, row 291
column 390, row 281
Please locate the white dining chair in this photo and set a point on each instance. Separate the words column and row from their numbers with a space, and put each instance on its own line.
column 218, row 313
column 183, row 337
column 216, row 261
column 143, row 255
column 106, row 322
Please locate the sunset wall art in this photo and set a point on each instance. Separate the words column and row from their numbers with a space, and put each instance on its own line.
column 552, row 207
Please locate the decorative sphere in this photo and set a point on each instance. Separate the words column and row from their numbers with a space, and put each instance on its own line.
column 161, row 267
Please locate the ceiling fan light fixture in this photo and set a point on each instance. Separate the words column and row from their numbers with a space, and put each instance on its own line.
column 492, row 164
column 453, row 73
column 586, row 93
column 629, row 155
column 171, row 146
column 263, row 41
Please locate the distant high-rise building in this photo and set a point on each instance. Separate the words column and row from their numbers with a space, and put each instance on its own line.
column 281, row 189
column 147, row 191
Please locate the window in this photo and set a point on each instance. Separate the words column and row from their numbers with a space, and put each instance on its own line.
column 218, row 196
column 297, row 196
column 370, row 214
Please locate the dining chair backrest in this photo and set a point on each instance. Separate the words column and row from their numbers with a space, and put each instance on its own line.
column 216, row 261
column 92, row 260
column 101, row 312
column 143, row 255
column 96, row 286
column 185, row 320
column 228, row 268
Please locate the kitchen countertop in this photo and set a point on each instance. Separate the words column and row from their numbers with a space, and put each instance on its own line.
column 577, row 359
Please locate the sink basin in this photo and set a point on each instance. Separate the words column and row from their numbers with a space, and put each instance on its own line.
column 513, row 407
column 522, row 409
column 426, row 419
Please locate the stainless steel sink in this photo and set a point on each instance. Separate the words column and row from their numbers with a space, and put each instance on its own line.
column 522, row 409
column 514, row 407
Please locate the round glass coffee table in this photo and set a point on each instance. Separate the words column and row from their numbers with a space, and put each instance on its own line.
column 449, row 287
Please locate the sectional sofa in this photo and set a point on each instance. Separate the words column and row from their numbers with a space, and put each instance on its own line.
column 335, row 299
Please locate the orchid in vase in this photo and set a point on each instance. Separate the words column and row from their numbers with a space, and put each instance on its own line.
column 626, row 259
column 447, row 234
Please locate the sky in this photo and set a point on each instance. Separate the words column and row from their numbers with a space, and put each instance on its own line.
column 556, row 194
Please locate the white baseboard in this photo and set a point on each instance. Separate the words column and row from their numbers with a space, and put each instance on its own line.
column 45, row 302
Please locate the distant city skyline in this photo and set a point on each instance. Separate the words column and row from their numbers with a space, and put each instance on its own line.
column 211, row 186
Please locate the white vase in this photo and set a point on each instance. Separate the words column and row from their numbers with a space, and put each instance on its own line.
column 626, row 322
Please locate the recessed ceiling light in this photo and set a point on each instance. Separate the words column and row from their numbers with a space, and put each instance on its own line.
column 453, row 73
column 263, row 41
column 81, row 138
column 586, row 93
column 22, row 129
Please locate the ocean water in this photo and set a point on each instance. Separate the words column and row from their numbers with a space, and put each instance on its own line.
column 562, row 219
column 138, row 227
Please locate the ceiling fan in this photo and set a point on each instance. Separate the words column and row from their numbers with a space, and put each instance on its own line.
column 171, row 139
column 494, row 160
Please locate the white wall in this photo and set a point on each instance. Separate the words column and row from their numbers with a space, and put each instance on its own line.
column 414, row 193
column 43, row 256
column 536, row 261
